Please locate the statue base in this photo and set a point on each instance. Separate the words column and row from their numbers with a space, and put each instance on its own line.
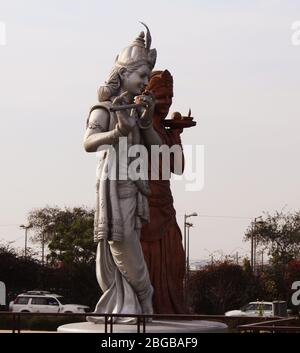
column 156, row 326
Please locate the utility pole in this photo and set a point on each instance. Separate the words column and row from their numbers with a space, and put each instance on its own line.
column 43, row 248
column 184, row 239
column 254, row 255
column 251, row 261
column 188, row 252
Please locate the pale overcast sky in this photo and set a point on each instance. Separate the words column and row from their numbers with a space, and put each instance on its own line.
column 233, row 64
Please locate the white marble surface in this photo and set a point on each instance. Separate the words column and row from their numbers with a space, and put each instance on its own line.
column 196, row 326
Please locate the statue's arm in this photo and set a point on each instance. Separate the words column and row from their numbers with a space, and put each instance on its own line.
column 97, row 133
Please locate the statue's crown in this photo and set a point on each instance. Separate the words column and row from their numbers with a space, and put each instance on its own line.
column 138, row 51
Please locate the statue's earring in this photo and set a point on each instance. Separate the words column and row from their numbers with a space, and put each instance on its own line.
column 122, row 73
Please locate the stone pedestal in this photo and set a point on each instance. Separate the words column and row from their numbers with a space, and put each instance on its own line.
column 156, row 326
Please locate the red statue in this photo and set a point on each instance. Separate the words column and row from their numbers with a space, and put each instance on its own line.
column 161, row 239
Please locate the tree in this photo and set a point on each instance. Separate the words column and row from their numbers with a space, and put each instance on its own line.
column 68, row 233
column 220, row 287
column 77, row 282
column 280, row 234
column 18, row 273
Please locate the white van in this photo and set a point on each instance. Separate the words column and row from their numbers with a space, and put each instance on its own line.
column 264, row 309
column 44, row 302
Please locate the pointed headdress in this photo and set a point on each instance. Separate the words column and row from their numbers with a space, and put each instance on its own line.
column 138, row 52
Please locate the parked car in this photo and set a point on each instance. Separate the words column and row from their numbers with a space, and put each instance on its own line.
column 44, row 302
column 265, row 309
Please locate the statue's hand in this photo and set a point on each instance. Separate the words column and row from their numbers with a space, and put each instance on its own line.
column 146, row 113
column 126, row 121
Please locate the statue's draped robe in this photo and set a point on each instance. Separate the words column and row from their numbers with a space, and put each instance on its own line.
column 121, row 209
column 162, row 244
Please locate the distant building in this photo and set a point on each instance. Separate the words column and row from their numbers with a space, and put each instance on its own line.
column 197, row 264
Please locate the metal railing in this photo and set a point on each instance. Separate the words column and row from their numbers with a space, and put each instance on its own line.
column 141, row 320
column 275, row 325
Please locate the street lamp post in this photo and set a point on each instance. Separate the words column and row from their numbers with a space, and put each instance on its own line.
column 254, row 243
column 26, row 230
column 186, row 250
column 188, row 225
column 186, row 216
